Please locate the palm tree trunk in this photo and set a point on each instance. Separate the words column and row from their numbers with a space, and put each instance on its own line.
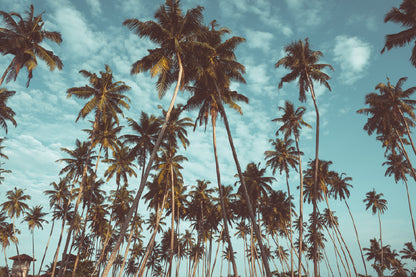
column 59, row 245
column 146, row 174
column 5, row 260
column 223, row 211
column 291, row 230
column 33, row 250
column 337, row 253
column 381, row 245
column 410, row 207
column 81, row 243
column 46, row 248
column 172, row 241
column 149, row 247
column 356, row 234
column 315, row 185
column 407, row 131
column 216, row 253
column 126, row 252
column 247, row 197
column 343, row 241
column 300, row 208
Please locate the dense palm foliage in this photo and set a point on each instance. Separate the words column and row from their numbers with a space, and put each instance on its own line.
column 246, row 227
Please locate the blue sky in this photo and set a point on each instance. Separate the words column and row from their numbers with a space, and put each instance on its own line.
column 349, row 33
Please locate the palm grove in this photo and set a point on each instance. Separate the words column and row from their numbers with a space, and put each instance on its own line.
column 102, row 233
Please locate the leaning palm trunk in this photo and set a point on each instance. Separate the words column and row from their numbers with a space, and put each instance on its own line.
column 339, row 232
column 172, row 241
column 146, row 174
column 126, row 252
column 337, row 254
column 381, row 245
column 356, row 234
column 149, row 247
column 46, row 248
column 247, row 197
column 59, row 245
column 403, row 150
column 216, row 253
column 224, row 213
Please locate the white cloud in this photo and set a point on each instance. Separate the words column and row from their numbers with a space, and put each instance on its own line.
column 307, row 12
column 259, row 40
column 353, row 56
column 95, row 6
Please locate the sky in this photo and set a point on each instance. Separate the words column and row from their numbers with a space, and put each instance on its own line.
column 350, row 34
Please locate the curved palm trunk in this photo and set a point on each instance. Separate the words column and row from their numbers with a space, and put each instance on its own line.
column 337, row 254
column 314, row 191
column 300, row 208
column 410, row 207
column 146, row 174
column 356, row 234
column 224, row 213
column 247, row 197
column 46, row 248
column 126, row 252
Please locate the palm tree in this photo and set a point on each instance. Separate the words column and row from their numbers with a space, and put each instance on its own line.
column 403, row 15
column 147, row 129
column 121, row 165
column 378, row 205
column 408, row 252
column 15, row 206
column 391, row 113
column 400, row 168
column 173, row 33
column 34, row 219
column 339, row 188
column 205, row 96
column 23, row 38
column 6, row 113
column 292, row 123
column 283, row 157
column 304, row 66
column 6, row 230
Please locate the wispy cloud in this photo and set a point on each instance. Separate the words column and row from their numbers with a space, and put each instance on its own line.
column 353, row 56
column 307, row 12
column 259, row 40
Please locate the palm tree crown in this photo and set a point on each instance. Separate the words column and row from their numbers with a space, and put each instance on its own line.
column 23, row 39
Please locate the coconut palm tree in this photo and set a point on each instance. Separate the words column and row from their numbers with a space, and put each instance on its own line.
column 106, row 100
column 408, row 251
column 339, row 188
column 34, row 219
column 378, row 205
column 205, row 96
column 121, row 165
column 14, row 207
column 143, row 141
column 6, row 113
column 403, row 15
column 22, row 38
column 303, row 64
column 399, row 168
column 283, row 157
column 292, row 123
column 173, row 32
column 6, row 231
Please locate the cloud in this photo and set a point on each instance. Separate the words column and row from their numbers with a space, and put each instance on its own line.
column 95, row 6
column 307, row 12
column 353, row 56
column 259, row 40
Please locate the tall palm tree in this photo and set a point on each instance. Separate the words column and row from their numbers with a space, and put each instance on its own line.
column 106, row 100
column 403, row 15
column 205, row 96
column 173, row 31
column 292, row 123
column 143, row 141
column 14, row 207
column 283, row 157
column 6, row 113
column 399, row 168
column 304, row 66
column 378, row 205
column 23, row 39
column 121, row 165
column 34, row 219
column 339, row 188
column 6, row 230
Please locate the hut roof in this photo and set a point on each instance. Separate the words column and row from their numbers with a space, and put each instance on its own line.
column 22, row 257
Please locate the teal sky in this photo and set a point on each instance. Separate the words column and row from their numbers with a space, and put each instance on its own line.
column 349, row 33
